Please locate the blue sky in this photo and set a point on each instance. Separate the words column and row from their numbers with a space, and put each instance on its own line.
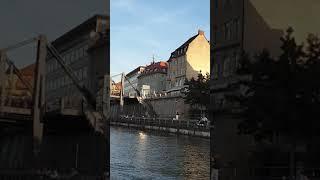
column 141, row 28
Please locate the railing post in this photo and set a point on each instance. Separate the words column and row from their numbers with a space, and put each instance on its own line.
column 2, row 79
column 11, row 86
column 39, row 91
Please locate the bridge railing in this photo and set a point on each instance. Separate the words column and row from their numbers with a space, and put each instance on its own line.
column 18, row 102
column 281, row 172
column 188, row 124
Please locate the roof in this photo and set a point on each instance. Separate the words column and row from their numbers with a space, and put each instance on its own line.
column 183, row 48
column 158, row 67
column 80, row 29
column 28, row 74
column 103, row 41
column 134, row 71
column 28, row 70
column 118, row 85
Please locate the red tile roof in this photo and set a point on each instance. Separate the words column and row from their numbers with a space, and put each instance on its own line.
column 158, row 67
column 28, row 74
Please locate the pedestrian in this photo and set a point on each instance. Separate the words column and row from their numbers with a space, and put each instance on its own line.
column 177, row 116
column 301, row 175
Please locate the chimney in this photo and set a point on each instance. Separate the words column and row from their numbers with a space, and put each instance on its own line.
column 200, row 32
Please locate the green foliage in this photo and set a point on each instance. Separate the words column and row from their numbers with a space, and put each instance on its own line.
column 197, row 93
column 283, row 94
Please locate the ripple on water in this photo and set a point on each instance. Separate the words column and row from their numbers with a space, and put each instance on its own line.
column 148, row 155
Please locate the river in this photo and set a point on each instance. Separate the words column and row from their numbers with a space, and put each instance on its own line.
column 137, row 154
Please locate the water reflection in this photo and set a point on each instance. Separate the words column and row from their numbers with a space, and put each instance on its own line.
column 148, row 155
column 142, row 135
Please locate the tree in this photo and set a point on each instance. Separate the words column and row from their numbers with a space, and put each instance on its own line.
column 197, row 93
column 283, row 94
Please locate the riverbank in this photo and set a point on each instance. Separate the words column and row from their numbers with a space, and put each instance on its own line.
column 164, row 125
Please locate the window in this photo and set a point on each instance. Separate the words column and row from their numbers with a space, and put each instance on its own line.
column 218, row 70
column 227, row 30
column 81, row 74
column 234, row 62
column 49, row 67
column 86, row 48
column 71, row 57
column 80, row 50
column 84, row 73
column 236, row 28
column 237, row 57
column 226, row 66
column 76, row 52
column 55, row 84
column 67, row 58
column 216, row 4
column 53, row 65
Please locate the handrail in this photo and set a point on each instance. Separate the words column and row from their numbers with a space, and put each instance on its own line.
column 20, row 44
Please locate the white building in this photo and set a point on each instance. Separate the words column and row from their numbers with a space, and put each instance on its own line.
column 132, row 77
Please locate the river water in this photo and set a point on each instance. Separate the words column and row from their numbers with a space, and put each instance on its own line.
column 137, row 154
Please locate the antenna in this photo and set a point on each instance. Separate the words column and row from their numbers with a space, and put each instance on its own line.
column 152, row 58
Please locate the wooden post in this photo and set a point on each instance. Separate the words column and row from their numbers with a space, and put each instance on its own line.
column 2, row 79
column 38, row 108
column 11, row 86
column 106, row 102
column 121, row 93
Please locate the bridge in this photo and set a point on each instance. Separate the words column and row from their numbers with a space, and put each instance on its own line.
column 49, row 129
column 148, row 108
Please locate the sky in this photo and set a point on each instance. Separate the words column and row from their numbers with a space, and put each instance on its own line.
column 21, row 20
column 302, row 15
column 143, row 28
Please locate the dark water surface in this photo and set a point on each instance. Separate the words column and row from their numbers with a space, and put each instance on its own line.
column 138, row 154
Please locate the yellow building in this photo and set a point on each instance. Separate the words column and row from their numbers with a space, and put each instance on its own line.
column 191, row 58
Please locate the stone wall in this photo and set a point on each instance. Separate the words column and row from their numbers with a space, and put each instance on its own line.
column 164, row 107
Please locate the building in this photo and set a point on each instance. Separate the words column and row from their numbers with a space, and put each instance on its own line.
column 153, row 79
column 237, row 27
column 116, row 88
column 132, row 77
column 85, row 49
column 74, row 46
column 16, row 92
column 19, row 89
column 191, row 58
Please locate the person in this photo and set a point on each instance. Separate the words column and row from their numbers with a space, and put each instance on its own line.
column 301, row 175
column 204, row 118
column 177, row 116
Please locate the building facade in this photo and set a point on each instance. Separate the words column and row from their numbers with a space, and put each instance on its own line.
column 153, row 79
column 16, row 92
column 74, row 46
column 191, row 58
column 116, row 88
column 132, row 77
column 236, row 27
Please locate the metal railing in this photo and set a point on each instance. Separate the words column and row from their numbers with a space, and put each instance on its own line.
column 164, row 122
column 18, row 102
column 46, row 175
column 281, row 172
